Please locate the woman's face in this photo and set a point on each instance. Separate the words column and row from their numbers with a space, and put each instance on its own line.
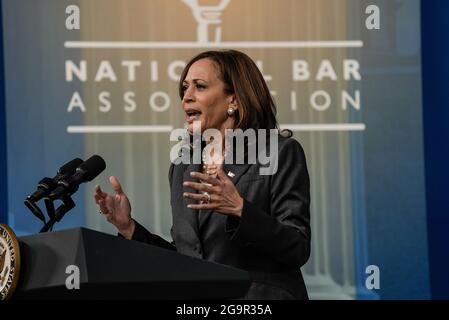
column 204, row 97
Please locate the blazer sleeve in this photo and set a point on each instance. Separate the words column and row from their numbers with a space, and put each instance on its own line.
column 283, row 232
column 141, row 234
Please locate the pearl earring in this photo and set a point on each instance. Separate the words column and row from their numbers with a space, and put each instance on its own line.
column 231, row 111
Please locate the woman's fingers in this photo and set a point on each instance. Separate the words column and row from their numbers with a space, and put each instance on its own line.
column 115, row 185
column 223, row 195
column 100, row 192
column 206, row 178
column 103, row 207
column 202, row 187
column 199, row 196
column 203, row 206
column 97, row 198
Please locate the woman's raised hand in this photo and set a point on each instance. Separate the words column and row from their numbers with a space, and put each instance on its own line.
column 116, row 208
column 219, row 194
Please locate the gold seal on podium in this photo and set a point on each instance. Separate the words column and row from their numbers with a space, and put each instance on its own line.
column 9, row 262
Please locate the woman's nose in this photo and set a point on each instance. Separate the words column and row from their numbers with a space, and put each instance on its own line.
column 188, row 95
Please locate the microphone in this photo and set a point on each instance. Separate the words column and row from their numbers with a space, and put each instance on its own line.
column 46, row 185
column 87, row 171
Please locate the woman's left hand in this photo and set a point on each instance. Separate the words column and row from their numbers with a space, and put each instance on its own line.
column 223, row 195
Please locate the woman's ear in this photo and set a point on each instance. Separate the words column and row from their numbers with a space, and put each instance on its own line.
column 232, row 100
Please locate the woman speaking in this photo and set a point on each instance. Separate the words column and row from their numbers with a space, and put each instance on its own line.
column 230, row 213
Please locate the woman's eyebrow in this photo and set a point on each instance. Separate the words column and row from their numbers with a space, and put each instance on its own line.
column 198, row 79
column 194, row 80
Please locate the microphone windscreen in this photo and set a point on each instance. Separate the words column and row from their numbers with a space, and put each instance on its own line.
column 92, row 167
column 70, row 167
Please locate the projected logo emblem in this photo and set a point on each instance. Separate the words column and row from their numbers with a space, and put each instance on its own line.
column 9, row 262
column 206, row 16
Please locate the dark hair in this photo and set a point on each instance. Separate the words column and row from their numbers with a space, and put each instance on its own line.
column 242, row 77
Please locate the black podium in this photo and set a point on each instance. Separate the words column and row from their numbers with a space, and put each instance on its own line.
column 114, row 268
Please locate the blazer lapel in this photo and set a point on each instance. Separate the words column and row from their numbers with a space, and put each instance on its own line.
column 235, row 171
column 190, row 214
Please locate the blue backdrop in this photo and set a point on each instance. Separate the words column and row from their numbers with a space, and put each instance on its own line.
column 435, row 53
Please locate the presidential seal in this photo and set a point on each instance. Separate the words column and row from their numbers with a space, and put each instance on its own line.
column 9, row 262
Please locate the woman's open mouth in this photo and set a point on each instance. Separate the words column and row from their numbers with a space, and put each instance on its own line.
column 192, row 115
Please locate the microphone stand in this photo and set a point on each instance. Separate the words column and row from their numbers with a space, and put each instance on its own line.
column 56, row 215
column 50, row 207
column 31, row 205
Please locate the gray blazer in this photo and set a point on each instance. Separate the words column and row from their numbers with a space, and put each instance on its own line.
column 271, row 240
